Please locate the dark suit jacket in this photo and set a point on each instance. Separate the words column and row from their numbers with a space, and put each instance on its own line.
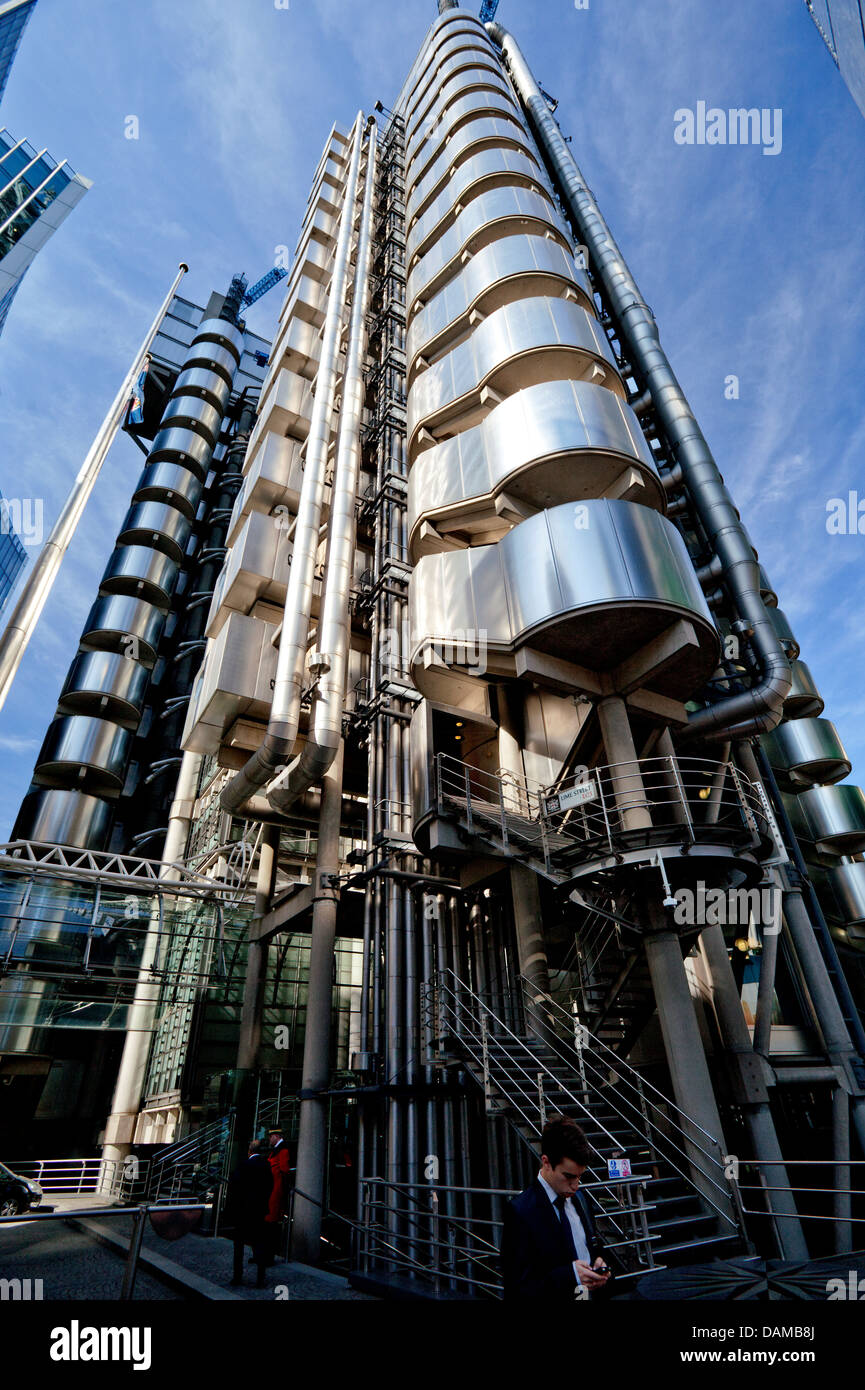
column 249, row 1189
column 536, row 1259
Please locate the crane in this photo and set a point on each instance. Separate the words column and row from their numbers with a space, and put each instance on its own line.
column 488, row 10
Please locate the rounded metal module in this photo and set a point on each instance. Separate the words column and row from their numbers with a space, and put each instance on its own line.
column 118, row 623
column 90, row 751
column 805, row 751
column 804, row 700
column 142, row 573
column 551, row 443
column 833, row 818
column 593, row 583
column 167, row 481
column 156, row 524
column 847, row 885
column 55, row 816
column 108, row 684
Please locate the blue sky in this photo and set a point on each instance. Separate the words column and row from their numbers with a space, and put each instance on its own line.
column 754, row 265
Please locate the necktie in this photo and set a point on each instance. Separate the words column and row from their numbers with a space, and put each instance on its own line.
column 566, row 1226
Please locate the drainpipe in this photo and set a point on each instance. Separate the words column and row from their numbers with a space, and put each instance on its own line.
column 278, row 743
column 330, row 661
column 748, row 712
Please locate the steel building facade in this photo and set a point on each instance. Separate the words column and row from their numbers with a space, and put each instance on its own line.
column 488, row 730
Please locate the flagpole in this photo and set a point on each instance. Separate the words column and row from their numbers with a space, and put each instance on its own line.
column 38, row 584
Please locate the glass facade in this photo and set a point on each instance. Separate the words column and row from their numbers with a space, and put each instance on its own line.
column 842, row 26
column 36, row 194
column 13, row 556
column 14, row 15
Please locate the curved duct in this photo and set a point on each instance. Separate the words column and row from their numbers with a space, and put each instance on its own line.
column 745, row 713
column 278, row 744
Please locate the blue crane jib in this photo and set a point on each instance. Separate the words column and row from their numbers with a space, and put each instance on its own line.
column 488, row 10
column 261, row 286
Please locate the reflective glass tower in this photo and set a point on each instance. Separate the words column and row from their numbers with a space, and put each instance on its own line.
column 36, row 195
column 14, row 16
column 13, row 556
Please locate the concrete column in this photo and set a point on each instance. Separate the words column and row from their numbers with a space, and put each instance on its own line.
column 749, row 1089
column 625, row 765
column 312, row 1139
column 689, row 1072
column 524, row 884
column 249, row 1040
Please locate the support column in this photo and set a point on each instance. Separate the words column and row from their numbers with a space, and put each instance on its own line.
column 312, row 1139
column 689, row 1072
column 624, row 764
column 525, row 893
column 749, row 1089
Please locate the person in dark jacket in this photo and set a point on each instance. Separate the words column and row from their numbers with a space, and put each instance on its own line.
column 550, row 1247
column 249, row 1192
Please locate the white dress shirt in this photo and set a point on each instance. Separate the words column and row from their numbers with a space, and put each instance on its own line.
column 580, row 1242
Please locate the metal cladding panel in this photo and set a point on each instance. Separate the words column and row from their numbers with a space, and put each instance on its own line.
column 593, row 583
column 781, row 624
column 196, row 381
column 222, row 332
column 835, row 817
column 256, row 567
column 274, row 479
column 507, row 167
column 236, row 681
column 486, row 131
column 807, row 750
column 109, row 677
column 210, row 357
column 297, row 348
column 56, row 817
column 287, row 406
column 804, row 700
column 848, row 886
column 485, row 274
column 138, row 567
column 194, row 412
column 165, row 481
column 156, row 524
column 459, row 116
column 78, row 741
column 526, row 326
column 182, row 446
column 117, row 622
column 464, row 64
column 499, row 212
column 443, row 48
column 464, row 75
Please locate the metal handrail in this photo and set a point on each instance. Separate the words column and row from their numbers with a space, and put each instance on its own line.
column 464, row 990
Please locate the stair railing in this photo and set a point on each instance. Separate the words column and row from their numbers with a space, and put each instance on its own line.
column 674, row 1139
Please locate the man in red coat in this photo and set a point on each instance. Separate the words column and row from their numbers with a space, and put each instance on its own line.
column 280, row 1167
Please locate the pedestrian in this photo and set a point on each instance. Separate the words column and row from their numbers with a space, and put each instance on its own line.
column 550, row 1248
column 249, row 1192
column 280, row 1167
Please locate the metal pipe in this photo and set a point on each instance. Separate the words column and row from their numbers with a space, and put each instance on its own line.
column 312, row 1136
column 120, row 1126
column 747, row 712
column 334, row 629
column 38, row 584
column 278, row 744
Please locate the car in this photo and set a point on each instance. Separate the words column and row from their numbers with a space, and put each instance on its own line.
column 17, row 1194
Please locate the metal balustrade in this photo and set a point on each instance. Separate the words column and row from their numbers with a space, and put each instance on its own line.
column 642, row 803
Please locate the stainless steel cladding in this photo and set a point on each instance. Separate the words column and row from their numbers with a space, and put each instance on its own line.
column 592, row 583
column 141, row 572
column 847, row 883
column 93, row 751
column 118, row 623
column 833, row 818
column 100, row 708
column 805, row 751
column 804, row 700
column 106, row 683
column 554, row 442
column 520, row 344
column 54, row 817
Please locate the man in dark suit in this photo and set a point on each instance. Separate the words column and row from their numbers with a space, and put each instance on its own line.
column 550, row 1248
column 249, row 1189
